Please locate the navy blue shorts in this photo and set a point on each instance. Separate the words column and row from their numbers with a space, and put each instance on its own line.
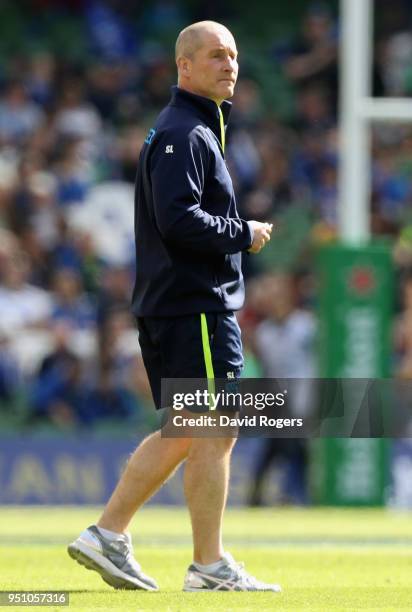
column 176, row 347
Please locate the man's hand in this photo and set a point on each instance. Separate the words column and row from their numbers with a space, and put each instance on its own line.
column 261, row 235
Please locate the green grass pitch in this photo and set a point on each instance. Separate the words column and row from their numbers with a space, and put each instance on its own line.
column 325, row 559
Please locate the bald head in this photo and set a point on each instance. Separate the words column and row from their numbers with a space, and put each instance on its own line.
column 206, row 58
column 192, row 38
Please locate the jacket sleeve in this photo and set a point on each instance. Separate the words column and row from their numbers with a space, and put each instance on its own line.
column 178, row 171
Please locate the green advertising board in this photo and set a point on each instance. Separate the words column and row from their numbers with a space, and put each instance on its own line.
column 355, row 308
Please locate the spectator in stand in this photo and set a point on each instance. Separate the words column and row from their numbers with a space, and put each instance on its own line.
column 157, row 79
column 313, row 109
column 75, row 117
column 111, row 394
column 112, row 84
column 58, row 392
column 19, row 116
column 40, row 269
column 107, row 401
column 43, row 215
column 75, row 249
column 129, row 143
column 22, row 305
column 115, row 293
column 65, row 253
column 312, row 58
column 274, row 174
column 285, row 338
column 40, row 77
column 70, row 303
column 28, row 167
column 268, row 189
column 91, row 261
column 247, row 105
column 396, row 64
column 284, row 342
column 71, row 172
column 241, row 148
column 307, row 162
column 111, row 35
column 392, row 186
column 77, row 121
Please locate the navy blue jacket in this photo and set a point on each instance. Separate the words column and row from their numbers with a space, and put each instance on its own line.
column 188, row 233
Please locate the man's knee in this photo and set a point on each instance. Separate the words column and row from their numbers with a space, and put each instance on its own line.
column 213, row 447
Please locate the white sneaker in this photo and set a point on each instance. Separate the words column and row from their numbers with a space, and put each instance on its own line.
column 230, row 576
column 112, row 559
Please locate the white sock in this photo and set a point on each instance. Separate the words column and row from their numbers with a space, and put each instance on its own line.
column 209, row 569
column 109, row 535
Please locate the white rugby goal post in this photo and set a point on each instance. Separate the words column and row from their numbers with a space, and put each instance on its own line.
column 357, row 110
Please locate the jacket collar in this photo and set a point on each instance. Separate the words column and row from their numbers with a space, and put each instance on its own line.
column 203, row 107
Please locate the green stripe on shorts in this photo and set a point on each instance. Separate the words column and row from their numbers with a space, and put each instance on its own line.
column 207, row 354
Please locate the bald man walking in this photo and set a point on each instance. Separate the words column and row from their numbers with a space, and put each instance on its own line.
column 189, row 240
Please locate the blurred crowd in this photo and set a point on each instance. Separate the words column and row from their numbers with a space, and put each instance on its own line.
column 71, row 129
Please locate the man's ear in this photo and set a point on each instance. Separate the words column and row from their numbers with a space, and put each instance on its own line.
column 184, row 66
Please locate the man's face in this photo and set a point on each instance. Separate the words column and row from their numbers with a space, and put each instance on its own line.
column 213, row 69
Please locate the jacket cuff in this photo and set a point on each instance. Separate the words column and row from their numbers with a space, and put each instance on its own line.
column 252, row 233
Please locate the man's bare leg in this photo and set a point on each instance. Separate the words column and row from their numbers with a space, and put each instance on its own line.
column 206, row 482
column 154, row 460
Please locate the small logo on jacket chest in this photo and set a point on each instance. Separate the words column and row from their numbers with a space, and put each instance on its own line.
column 169, row 149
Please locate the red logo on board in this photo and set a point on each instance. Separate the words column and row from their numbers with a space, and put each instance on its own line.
column 362, row 280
